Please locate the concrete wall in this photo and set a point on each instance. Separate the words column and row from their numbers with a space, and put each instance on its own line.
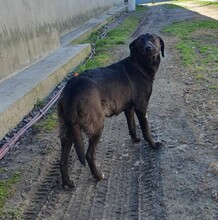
column 31, row 29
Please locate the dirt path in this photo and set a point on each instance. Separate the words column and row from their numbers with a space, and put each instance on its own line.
column 172, row 183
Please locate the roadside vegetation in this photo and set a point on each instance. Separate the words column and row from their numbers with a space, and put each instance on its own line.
column 208, row 3
column 197, row 46
column 196, row 43
column 199, row 2
column 48, row 124
column 6, row 190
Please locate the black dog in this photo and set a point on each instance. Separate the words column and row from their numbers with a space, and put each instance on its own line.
column 103, row 92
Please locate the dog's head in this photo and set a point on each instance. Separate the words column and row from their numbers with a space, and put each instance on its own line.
column 147, row 45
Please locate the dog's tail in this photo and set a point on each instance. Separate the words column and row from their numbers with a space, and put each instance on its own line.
column 76, row 133
column 70, row 130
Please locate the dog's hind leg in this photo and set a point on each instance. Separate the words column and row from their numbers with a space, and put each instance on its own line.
column 66, row 144
column 146, row 130
column 91, row 155
column 72, row 135
column 129, row 113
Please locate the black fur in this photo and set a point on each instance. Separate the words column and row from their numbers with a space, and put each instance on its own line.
column 103, row 92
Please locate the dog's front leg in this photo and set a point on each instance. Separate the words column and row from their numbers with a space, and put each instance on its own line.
column 129, row 113
column 146, row 130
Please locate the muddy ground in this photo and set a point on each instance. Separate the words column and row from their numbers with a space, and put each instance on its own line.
column 180, row 181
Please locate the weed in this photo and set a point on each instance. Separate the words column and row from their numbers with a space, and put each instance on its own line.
column 200, row 76
column 6, row 189
column 14, row 214
column 3, row 170
column 171, row 6
column 140, row 8
column 39, row 103
column 213, row 87
column 49, row 123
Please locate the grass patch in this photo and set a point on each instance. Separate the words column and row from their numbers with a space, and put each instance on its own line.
column 48, row 124
column 197, row 46
column 14, row 214
column 172, row 6
column 115, row 37
column 212, row 87
column 197, row 40
column 199, row 2
column 3, row 170
column 183, row 29
column 213, row 4
column 207, row 3
column 6, row 189
column 39, row 104
column 184, row 1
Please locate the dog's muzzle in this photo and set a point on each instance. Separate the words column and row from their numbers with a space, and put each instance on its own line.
column 150, row 49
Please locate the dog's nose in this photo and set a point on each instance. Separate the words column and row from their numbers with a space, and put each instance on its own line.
column 148, row 48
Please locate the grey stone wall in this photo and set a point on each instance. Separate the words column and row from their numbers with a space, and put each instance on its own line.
column 31, row 29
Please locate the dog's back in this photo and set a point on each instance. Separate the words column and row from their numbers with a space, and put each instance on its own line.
column 105, row 90
column 89, row 98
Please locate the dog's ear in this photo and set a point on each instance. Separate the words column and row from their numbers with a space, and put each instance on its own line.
column 162, row 46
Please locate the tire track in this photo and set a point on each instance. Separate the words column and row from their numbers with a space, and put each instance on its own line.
column 130, row 190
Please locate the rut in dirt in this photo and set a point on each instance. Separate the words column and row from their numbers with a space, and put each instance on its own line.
column 131, row 190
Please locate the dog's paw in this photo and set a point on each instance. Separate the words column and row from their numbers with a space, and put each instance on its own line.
column 69, row 185
column 157, row 145
column 99, row 176
column 135, row 139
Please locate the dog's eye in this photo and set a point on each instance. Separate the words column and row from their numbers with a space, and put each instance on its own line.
column 142, row 44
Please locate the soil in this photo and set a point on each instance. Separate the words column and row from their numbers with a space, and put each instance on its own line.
column 179, row 181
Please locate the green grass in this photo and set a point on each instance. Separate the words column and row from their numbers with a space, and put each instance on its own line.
column 183, row 29
column 14, row 214
column 196, row 49
column 207, row 3
column 197, row 46
column 212, row 87
column 48, row 124
column 6, row 189
column 38, row 104
column 171, row 6
column 114, row 38
column 200, row 3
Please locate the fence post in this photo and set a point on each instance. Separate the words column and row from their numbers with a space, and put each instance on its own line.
column 131, row 5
